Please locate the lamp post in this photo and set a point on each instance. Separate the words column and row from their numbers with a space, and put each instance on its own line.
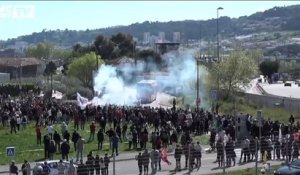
column 218, row 44
column 218, row 52
column 198, row 98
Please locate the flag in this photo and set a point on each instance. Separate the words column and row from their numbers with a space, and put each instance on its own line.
column 164, row 156
column 81, row 101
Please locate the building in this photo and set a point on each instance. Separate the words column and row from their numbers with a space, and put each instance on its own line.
column 146, row 39
column 176, row 37
column 21, row 67
column 164, row 47
column 161, row 37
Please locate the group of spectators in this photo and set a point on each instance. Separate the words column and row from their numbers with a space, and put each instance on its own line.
column 272, row 140
column 143, row 126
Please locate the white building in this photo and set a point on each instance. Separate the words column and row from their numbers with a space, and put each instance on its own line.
column 146, row 39
column 176, row 37
column 161, row 37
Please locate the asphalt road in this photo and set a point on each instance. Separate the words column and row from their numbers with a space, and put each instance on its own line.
column 127, row 165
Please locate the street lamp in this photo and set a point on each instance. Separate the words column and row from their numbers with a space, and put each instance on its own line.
column 218, row 51
column 218, row 47
column 198, row 98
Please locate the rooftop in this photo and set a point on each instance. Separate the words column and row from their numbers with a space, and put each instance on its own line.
column 16, row 62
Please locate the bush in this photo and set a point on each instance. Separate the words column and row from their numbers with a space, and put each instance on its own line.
column 15, row 89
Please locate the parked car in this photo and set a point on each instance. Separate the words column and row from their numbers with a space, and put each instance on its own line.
column 53, row 164
column 292, row 168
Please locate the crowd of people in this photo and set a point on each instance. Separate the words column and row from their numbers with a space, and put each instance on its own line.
column 143, row 126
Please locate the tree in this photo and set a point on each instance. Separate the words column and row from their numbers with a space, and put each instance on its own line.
column 269, row 67
column 234, row 72
column 124, row 42
column 150, row 57
column 83, row 68
column 63, row 54
column 40, row 51
column 256, row 54
column 103, row 47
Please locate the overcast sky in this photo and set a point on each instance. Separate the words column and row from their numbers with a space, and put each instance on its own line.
column 25, row 17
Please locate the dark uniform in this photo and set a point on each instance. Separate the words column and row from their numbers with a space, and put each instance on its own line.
column 177, row 156
column 139, row 158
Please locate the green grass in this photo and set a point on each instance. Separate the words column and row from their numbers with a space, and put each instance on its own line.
column 248, row 171
column 279, row 114
column 203, row 139
column 228, row 107
column 26, row 148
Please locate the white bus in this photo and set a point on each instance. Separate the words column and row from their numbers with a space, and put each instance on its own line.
column 147, row 91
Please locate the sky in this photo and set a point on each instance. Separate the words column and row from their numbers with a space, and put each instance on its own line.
column 25, row 17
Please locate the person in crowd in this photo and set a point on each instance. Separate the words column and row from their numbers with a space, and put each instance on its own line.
column 67, row 136
column 97, row 165
column 65, row 149
column 103, row 167
column 71, row 169
column 64, row 128
column 61, row 168
column 51, row 149
column 220, row 152
column 139, row 159
column 177, row 156
column 75, row 138
column 82, row 169
column 18, row 120
column 80, row 148
column 115, row 144
column 129, row 139
column 46, row 168
column 198, row 154
column 13, row 125
column 50, row 130
column 90, row 163
column 57, row 140
column 295, row 147
column 245, row 150
column 13, row 168
column 106, row 163
column 154, row 156
column 24, row 121
column 38, row 135
column 252, row 148
column 146, row 161
column 110, row 133
column 46, row 142
column 92, row 131
column 277, row 147
column 100, row 138
column 26, row 168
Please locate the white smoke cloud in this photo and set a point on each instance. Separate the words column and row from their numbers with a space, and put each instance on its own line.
column 181, row 73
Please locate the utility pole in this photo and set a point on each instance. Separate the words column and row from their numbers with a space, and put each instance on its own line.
column 114, row 164
column 223, row 161
column 256, row 157
column 198, row 98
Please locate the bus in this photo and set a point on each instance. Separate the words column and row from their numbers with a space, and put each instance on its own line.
column 146, row 91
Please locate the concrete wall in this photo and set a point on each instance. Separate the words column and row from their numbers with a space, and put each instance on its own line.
column 290, row 104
